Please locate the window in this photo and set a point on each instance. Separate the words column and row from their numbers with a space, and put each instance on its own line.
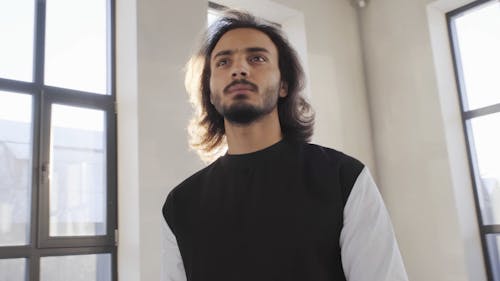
column 57, row 141
column 475, row 38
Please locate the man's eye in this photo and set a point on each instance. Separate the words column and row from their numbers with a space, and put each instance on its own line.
column 257, row 59
column 221, row 62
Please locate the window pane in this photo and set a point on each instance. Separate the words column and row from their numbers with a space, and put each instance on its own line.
column 17, row 30
column 76, row 268
column 15, row 168
column 78, row 172
column 13, row 269
column 75, row 52
column 478, row 37
column 485, row 140
column 493, row 241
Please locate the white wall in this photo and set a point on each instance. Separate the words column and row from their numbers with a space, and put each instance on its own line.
column 129, row 263
column 418, row 157
column 155, row 38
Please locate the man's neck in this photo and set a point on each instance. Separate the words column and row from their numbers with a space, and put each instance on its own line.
column 255, row 136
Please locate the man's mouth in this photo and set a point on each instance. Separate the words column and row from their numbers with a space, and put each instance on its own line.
column 240, row 87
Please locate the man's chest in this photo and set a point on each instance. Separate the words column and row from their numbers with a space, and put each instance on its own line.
column 255, row 213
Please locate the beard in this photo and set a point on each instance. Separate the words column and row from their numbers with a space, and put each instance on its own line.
column 242, row 112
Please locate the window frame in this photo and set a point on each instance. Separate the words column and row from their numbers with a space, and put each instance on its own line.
column 43, row 96
column 466, row 116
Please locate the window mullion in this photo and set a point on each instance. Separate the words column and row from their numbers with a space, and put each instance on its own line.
column 39, row 46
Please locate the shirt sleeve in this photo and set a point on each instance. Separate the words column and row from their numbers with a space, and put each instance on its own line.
column 172, row 268
column 368, row 244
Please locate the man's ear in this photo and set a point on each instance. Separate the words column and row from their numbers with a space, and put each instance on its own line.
column 283, row 89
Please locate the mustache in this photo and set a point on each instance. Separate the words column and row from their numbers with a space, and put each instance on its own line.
column 241, row 82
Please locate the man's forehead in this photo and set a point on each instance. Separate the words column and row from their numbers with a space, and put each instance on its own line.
column 244, row 39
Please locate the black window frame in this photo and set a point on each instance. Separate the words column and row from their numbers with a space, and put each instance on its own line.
column 43, row 96
column 466, row 116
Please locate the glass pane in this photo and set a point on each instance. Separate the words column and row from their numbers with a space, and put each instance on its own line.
column 75, row 52
column 78, row 172
column 493, row 241
column 17, row 29
column 15, row 168
column 76, row 268
column 13, row 270
column 485, row 140
column 478, row 37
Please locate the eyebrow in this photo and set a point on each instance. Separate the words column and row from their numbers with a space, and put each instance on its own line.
column 248, row 50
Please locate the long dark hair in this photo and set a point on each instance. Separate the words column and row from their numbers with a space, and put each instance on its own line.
column 207, row 133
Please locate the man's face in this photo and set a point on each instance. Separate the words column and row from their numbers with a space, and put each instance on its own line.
column 245, row 82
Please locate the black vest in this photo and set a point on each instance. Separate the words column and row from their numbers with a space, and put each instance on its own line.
column 275, row 214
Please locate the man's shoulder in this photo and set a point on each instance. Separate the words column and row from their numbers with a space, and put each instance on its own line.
column 195, row 179
column 322, row 154
column 336, row 163
column 183, row 192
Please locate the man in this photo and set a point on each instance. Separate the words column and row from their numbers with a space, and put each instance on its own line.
column 274, row 207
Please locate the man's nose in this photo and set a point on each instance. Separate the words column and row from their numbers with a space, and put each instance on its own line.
column 240, row 70
column 241, row 73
